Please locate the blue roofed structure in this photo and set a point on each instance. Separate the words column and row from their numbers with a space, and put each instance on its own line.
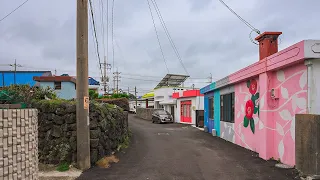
column 8, row 78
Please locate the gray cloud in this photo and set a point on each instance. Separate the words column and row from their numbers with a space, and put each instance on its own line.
column 209, row 38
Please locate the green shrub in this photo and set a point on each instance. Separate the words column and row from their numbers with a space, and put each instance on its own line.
column 93, row 94
column 25, row 94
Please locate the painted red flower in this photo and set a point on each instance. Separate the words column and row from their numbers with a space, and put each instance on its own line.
column 249, row 109
column 253, row 86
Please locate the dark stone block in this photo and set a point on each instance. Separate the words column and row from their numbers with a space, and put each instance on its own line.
column 93, row 124
column 70, row 118
column 94, row 156
column 72, row 127
column 94, row 134
column 94, row 143
column 58, row 120
column 56, row 131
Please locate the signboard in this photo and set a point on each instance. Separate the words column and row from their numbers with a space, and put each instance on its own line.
column 86, row 102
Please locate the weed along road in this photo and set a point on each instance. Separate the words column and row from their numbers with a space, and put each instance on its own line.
column 181, row 152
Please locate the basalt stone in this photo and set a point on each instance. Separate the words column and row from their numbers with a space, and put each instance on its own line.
column 93, row 124
column 73, row 144
column 70, row 108
column 58, row 120
column 94, row 156
column 94, row 134
column 72, row 127
column 94, row 143
column 70, row 118
column 56, row 131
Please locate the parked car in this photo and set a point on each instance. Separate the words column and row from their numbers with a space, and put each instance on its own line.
column 161, row 116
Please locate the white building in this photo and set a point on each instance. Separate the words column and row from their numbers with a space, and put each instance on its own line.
column 189, row 107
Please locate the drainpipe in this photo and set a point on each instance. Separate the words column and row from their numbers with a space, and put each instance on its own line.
column 308, row 63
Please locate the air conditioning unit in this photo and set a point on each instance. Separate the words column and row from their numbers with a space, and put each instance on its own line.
column 274, row 93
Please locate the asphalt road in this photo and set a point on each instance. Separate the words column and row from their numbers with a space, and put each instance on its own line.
column 181, row 152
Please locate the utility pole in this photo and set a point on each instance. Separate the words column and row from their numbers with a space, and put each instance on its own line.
column 135, row 94
column 83, row 135
column 15, row 65
column 105, row 78
column 210, row 78
column 116, row 80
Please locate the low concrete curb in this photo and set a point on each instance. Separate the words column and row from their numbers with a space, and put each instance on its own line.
column 56, row 175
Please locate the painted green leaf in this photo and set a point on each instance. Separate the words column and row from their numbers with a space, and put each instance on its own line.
column 256, row 109
column 245, row 121
column 252, row 125
column 248, row 83
column 253, row 99
column 257, row 95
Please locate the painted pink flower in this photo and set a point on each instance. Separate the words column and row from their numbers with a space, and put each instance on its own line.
column 249, row 109
column 253, row 86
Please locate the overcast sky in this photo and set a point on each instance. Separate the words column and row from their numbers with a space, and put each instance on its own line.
column 41, row 35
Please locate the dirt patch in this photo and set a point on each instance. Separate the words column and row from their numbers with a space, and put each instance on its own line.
column 107, row 161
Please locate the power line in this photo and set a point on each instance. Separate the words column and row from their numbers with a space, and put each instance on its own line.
column 112, row 34
column 155, row 29
column 95, row 34
column 241, row 19
column 13, row 10
column 168, row 34
column 102, row 27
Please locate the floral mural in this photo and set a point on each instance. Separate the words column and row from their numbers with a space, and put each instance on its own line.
column 252, row 106
column 271, row 121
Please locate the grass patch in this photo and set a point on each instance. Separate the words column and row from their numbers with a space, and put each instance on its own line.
column 63, row 167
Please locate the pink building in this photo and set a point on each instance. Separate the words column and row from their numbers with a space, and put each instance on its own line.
column 255, row 107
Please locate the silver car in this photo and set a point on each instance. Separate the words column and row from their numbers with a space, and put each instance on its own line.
column 161, row 116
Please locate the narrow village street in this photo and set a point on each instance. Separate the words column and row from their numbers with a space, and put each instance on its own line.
column 181, row 152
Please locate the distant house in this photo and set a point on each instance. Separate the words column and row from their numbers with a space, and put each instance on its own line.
column 64, row 86
column 8, row 78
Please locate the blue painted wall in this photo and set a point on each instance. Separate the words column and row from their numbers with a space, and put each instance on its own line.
column 217, row 111
column 209, row 123
column 24, row 77
column 67, row 91
column 206, row 113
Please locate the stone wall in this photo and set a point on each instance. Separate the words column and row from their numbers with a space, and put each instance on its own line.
column 145, row 113
column 57, row 130
column 18, row 144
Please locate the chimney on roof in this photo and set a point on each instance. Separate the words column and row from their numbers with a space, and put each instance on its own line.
column 268, row 43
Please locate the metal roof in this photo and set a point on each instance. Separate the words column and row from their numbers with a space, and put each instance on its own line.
column 173, row 80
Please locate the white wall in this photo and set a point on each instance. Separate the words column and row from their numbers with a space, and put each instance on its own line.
column 198, row 102
column 315, row 87
column 164, row 94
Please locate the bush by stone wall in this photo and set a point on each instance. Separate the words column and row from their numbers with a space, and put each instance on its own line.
column 57, row 130
column 121, row 102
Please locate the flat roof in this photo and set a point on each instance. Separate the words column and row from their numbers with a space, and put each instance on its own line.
column 175, row 80
column 54, row 79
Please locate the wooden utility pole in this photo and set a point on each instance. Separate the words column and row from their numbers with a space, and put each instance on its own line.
column 15, row 65
column 116, row 76
column 135, row 94
column 83, row 134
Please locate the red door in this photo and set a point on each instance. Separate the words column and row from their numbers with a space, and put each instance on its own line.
column 186, row 111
